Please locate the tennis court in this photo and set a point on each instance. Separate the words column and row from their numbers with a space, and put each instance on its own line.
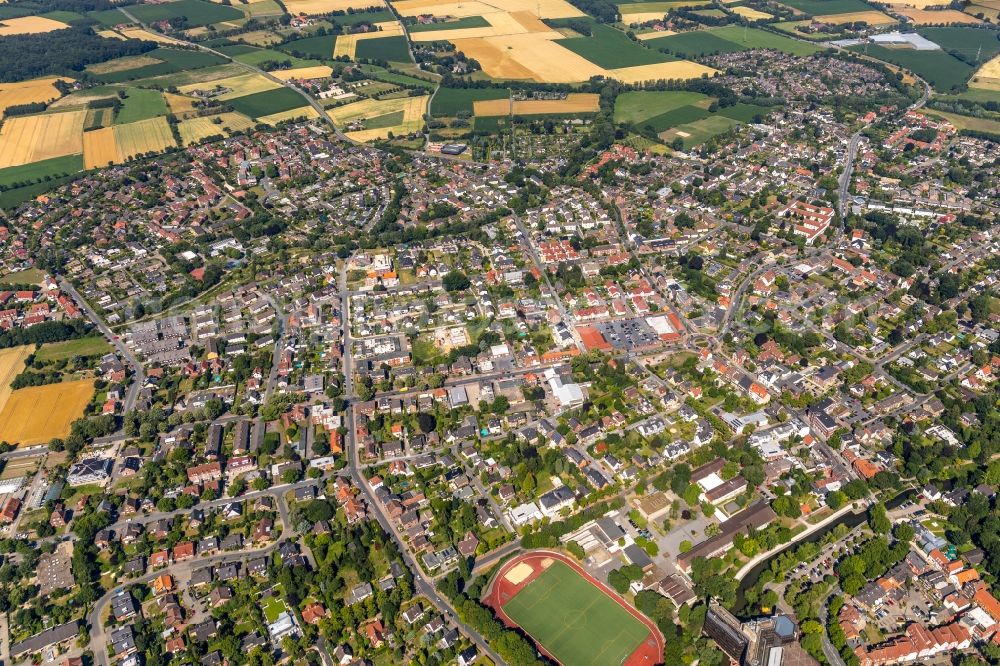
column 573, row 620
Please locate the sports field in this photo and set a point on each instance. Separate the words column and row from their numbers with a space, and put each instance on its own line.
column 36, row 414
column 573, row 620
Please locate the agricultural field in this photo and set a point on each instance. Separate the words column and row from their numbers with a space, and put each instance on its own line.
column 986, row 125
column 681, row 114
column 11, row 364
column 36, row 171
column 197, row 12
column 300, row 113
column 312, row 72
column 267, row 102
column 26, row 139
column 968, row 41
column 317, row 47
column 29, row 25
column 611, row 49
column 751, row 13
column 198, row 129
column 258, row 57
column 457, row 24
column 141, row 104
column 944, row 72
column 936, row 16
column 361, row 117
column 121, row 143
column 635, row 107
column 573, row 104
column 155, row 63
column 826, row 7
column 37, row 414
column 34, row 91
column 988, row 77
column 729, row 39
column 452, row 101
column 313, row 7
column 235, row 86
column 389, row 49
column 870, row 17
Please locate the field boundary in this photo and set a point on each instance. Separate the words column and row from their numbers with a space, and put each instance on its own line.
column 500, row 590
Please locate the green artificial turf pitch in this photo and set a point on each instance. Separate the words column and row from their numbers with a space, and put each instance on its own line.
column 576, row 622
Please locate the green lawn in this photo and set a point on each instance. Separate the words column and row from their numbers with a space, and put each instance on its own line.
column 574, row 620
column 197, row 12
column 609, row 48
column 273, row 607
column 70, row 348
column 140, row 104
column 27, row 276
column 267, row 102
column 467, row 22
column 451, row 101
column 391, row 49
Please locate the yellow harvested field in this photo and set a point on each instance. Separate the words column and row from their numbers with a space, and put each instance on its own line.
column 152, row 135
column 179, row 105
column 990, row 13
column 25, row 139
column 500, row 24
column 301, row 113
column 237, row 86
column 751, row 13
column 11, row 365
column 99, row 148
column 122, row 64
column 988, row 76
column 197, row 129
column 317, row 72
column 871, row 17
column 29, row 92
column 642, row 17
column 528, row 56
column 574, row 103
column 36, row 414
column 654, row 34
column 929, row 16
column 110, row 34
column 327, row 6
column 919, row 4
column 139, row 33
column 346, row 44
column 678, row 69
column 29, row 25
column 538, row 8
column 413, row 109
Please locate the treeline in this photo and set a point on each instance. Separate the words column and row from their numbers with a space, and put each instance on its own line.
column 547, row 536
column 79, row 6
column 47, row 331
column 61, row 52
column 602, row 10
column 24, row 109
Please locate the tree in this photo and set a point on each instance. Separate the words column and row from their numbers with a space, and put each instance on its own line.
column 456, row 281
column 878, row 521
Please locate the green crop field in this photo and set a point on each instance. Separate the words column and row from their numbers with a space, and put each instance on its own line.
column 729, row 39
column 171, row 61
column 452, row 101
column 140, row 104
column 267, row 102
column 392, row 49
column 316, row 47
column 386, row 120
column 700, row 131
column 574, row 621
column 36, row 171
column 967, row 41
column 694, row 44
column 610, row 48
column 824, row 7
column 252, row 55
column 755, row 38
column 108, row 17
column 362, row 17
column 197, row 12
column 941, row 70
column 81, row 347
column 635, row 107
column 467, row 22
column 382, row 74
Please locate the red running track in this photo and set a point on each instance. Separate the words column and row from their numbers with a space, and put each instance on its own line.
column 501, row 590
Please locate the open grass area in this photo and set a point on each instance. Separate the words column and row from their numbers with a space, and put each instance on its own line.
column 985, row 125
column 382, row 74
column 451, row 101
column 267, row 102
column 170, row 61
column 27, row 276
column 573, row 620
column 68, row 349
column 634, row 107
column 252, row 55
column 140, row 104
column 609, row 48
column 197, row 12
column 390, row 49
